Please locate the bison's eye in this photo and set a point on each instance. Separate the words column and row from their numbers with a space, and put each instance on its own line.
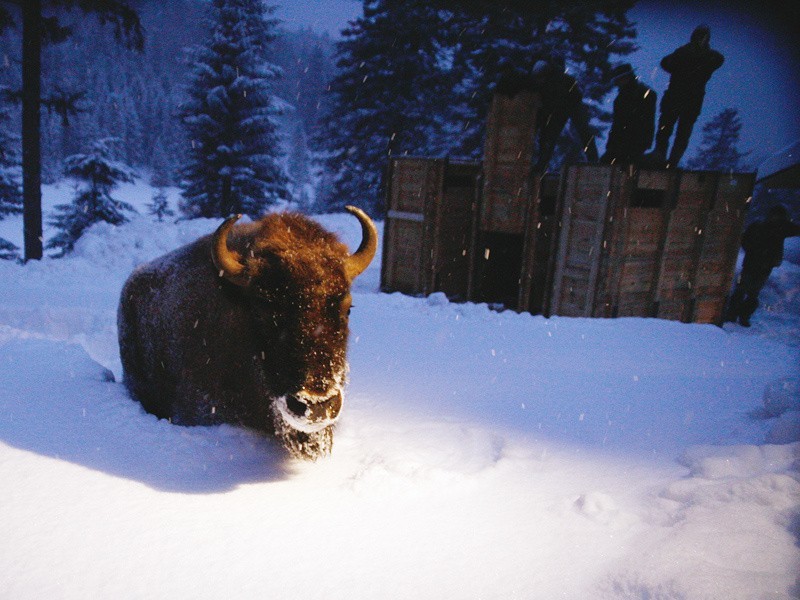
column 338, row 307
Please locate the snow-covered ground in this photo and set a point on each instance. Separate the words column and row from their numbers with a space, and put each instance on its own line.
column 479, row 455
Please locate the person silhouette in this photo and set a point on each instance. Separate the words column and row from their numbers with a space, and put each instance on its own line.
column 690, row 67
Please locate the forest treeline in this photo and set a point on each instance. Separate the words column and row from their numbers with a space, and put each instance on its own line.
column 406, row 78
column 136, row 96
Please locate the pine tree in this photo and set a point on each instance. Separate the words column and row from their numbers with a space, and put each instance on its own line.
column 97, row 175
column 312, row 81
column 299, row 157
column 38, row 27
column 585, row 33
column 10, row 188
column 387, row 100
column 416, row 77
column 159, row 207
column 230, row 116
column 718, row 150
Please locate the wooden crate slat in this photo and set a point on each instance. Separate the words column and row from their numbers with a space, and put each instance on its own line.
column 507, row 157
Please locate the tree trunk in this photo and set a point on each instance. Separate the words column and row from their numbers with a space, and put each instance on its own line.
column 31, row 127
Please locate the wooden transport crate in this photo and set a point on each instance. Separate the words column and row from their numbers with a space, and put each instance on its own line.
column 507, row 160
column 648, row 243
column 430, row 226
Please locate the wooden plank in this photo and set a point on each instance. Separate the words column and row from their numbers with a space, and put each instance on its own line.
column 606, row 302
column 708, row 309
column 540, row 238
column 405, row 216
column 413, row 194
column 680, row 255
column 404, row 267
column 507, row 158
column 645, row 233
column 720, row 240
column 588, row 189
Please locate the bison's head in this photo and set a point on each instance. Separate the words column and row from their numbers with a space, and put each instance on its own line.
column 294, row 279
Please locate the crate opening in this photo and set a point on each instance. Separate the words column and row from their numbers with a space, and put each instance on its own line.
column 547, row 205
column 648, row 198
column 500, row 264
column 459, row 180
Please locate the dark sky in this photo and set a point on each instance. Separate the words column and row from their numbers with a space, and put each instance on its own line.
column 761, row 73
column 759, row 38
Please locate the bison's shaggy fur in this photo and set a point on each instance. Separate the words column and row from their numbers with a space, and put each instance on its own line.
column 263, row 348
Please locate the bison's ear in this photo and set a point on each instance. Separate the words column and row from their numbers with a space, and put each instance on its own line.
column 228, row 262
column 357, row 262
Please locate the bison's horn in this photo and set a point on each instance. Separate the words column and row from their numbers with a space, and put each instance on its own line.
column 360, row 259
column 228, row 262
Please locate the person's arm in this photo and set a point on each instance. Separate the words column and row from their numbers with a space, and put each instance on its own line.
column 671, row 61
column 715, row 60
column 792, row 229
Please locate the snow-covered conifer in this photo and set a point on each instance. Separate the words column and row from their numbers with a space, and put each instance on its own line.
column 96, row 175
column 387, row 100
column 587, row 34
column 417, row 77
column 718, row 150
column 229, row 118
column 299, row 157
column 159, row 207
column 10, row 189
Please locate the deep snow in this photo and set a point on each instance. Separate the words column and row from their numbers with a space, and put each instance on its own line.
column 479, row 455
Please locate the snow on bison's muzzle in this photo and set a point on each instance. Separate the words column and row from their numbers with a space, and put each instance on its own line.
column 246, row 326
column 307, row 414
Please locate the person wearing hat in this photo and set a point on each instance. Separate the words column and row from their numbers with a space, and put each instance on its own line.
column 690, row 67
column 562, row 101
column 763, row 250
column 633, row 121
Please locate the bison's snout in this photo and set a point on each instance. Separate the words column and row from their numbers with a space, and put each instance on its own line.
column 310, row 413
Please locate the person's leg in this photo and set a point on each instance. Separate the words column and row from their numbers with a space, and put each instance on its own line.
column 753, row 283
column 685, row 125
column 548, row 137
column 735, row 302
column 666, row 123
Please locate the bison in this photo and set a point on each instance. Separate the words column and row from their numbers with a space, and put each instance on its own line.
column 247, row 326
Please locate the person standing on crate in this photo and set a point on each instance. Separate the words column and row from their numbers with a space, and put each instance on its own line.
column 633, row 121
column 763, row 250
column 562, row 101
column 689, row 67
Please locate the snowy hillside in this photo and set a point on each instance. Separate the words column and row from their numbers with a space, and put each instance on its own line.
column 479, row 454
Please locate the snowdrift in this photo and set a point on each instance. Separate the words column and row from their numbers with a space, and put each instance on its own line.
column 480, row 454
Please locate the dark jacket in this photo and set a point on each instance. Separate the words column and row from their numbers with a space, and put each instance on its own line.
column 634, row 123
column 690, row 67
column 562, row 101
column 763, row 243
